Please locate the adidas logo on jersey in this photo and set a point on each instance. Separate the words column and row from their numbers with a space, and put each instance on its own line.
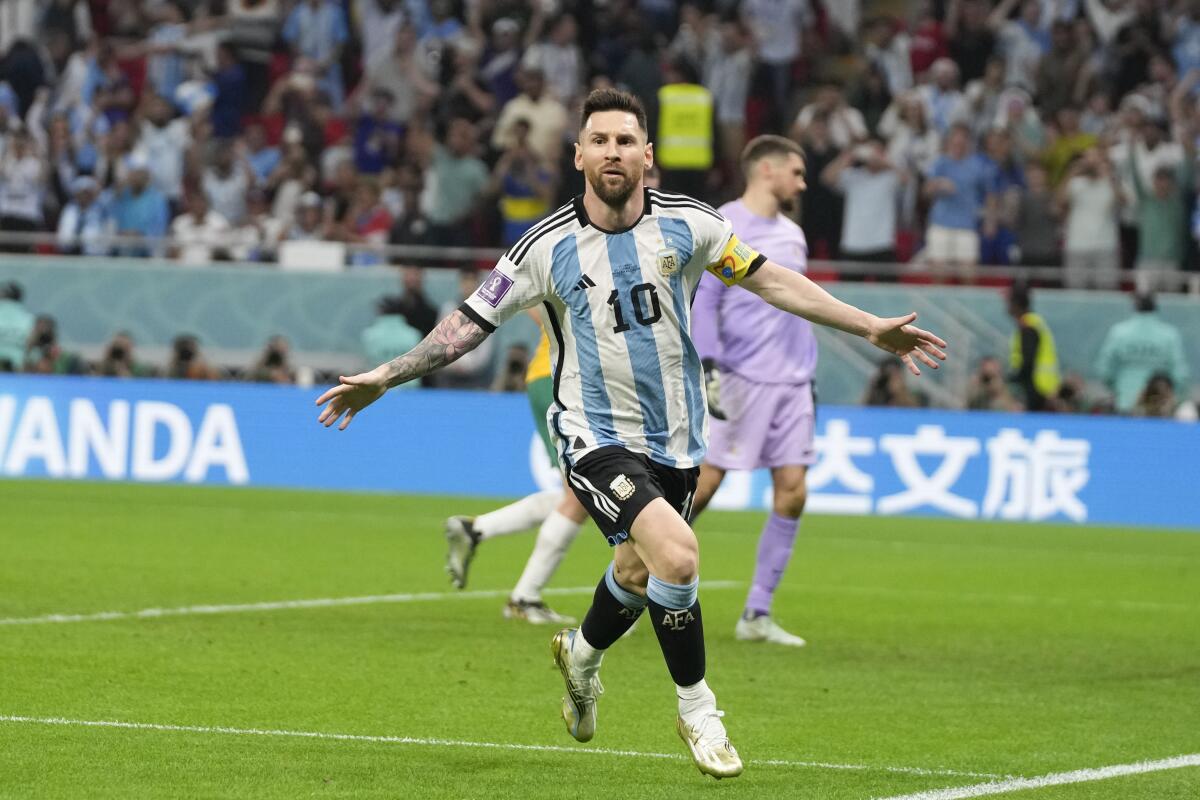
column 585, row 283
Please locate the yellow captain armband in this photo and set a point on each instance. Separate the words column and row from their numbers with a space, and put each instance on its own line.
column 738, row 261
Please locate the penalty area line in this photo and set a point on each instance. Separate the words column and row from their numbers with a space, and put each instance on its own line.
column 315, row 602
column 1053, row 779
column 438, row 742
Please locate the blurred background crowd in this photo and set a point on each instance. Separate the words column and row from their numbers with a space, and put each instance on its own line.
column 945, row 140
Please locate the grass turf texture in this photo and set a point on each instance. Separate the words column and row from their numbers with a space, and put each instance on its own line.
column 981, row 647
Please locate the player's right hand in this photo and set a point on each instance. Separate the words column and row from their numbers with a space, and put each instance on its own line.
column 712, row 388
column 352, row 395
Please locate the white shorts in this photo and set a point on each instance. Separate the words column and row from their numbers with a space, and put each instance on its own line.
column 956, row 245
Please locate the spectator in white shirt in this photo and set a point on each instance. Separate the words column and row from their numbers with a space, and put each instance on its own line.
column 871, row 185
column 912, row 143
column 399, row 69
column 86, row 222
column 378, row 21
column 258, row 238
column 226, row 182
column 886, row 45
column 310, row 223
column 982, row 96
column 199, row 233
column 778, row 28
column 1091, row 196
column 545, row 115
column 728, row 67
column 944, row 103
column 560, row 59
column 1023, row 40
column 846, row 123
column 165, row 141
column 22, row 186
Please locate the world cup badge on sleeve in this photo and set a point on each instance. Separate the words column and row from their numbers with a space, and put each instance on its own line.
column 668, row 262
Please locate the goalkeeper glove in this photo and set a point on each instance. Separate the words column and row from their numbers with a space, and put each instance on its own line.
column 712, row 386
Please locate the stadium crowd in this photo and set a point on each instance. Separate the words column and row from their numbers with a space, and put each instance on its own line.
column 956, row 133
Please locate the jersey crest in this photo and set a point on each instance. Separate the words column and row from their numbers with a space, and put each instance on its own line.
column 668, row 262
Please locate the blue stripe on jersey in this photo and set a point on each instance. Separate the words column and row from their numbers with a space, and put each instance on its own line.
column 565, row 272
column 678, row 235
column 643, row 350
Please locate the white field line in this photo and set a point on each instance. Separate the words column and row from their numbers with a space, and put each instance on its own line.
column 316, row 602
column 1152, row 606
column 429, row 742
column 1053, row 779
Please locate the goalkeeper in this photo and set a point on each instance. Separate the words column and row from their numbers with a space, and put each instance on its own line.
column 759, row 364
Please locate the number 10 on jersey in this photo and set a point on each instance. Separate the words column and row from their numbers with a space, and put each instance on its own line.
column 646, row 308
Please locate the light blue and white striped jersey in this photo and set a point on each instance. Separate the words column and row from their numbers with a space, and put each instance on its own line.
column 618, row 307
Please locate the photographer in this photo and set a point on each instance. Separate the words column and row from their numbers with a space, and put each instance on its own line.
column 44, row 356
column 273, row 365
column 16, row 323
column 118, row 359
column 888, row 388
column 187, row 363
column 988, row 390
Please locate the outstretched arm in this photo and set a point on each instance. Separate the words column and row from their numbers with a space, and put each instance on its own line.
column 796, row 294
column 454, row 337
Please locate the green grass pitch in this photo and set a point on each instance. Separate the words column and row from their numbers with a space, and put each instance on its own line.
column 997, row 649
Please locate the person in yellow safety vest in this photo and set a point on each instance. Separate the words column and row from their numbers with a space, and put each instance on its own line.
column 684, row 148
column 1034, row 359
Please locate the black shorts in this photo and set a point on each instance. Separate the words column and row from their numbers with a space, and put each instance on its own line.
column 615, row 484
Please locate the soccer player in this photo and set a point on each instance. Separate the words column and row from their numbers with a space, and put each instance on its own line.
column 559, row 523
column 614, row 271
column 759, row 363
column 558, row 513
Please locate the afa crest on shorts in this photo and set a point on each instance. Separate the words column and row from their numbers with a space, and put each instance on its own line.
column 622, row 487
column 668, row 262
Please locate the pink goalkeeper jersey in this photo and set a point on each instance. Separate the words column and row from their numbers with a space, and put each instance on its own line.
column 741, row 331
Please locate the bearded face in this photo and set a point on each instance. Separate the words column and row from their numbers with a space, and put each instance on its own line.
column 613, row 183
column 613, row 155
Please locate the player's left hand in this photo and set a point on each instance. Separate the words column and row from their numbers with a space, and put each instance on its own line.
column 898, row 336
column 712, row 389
column 352, row 395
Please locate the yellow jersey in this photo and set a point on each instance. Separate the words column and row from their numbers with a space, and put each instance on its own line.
column 539, row 365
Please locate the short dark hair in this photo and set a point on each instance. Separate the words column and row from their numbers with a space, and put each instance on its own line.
column 761, row 147
column 612, row 100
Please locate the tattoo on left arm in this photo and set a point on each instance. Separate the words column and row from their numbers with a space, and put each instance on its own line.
column 454, row 337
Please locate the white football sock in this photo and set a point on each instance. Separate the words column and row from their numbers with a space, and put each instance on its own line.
column 522, row 515
column 695, row 698
column 584, row 657
column 553, row 539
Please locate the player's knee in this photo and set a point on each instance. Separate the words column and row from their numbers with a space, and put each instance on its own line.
column 789, row 501
column 680, row 564
column 632, row 577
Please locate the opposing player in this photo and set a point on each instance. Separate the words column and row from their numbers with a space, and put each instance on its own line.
column 557, row 513
column 614, row 272
column 759, row 363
